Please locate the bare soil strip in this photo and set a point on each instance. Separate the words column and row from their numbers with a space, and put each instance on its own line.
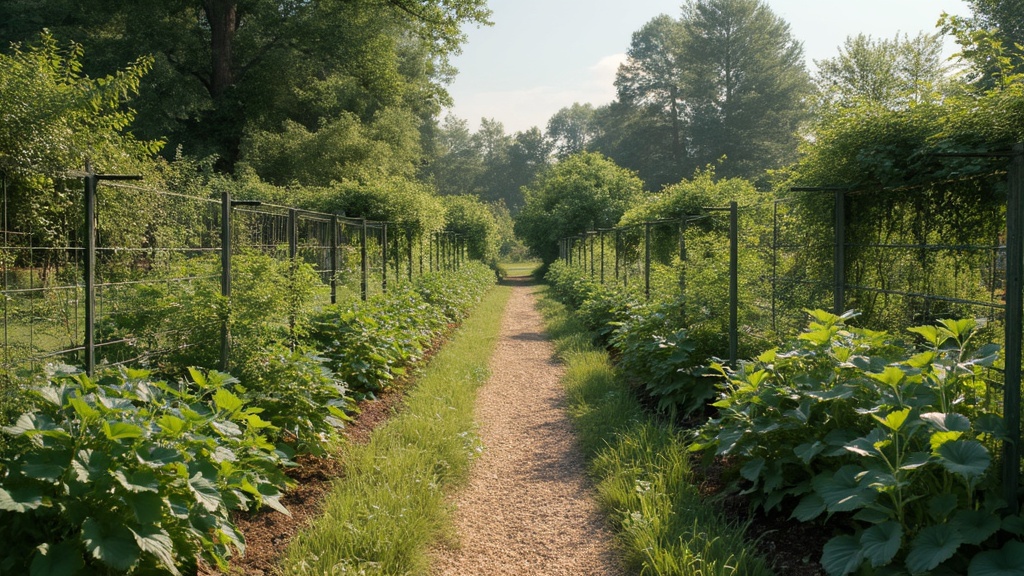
column 529, row 508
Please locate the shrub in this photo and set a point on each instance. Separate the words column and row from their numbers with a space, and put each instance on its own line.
column 655, row 351
column 125, row 474
column 894, row 440
column 304, row 399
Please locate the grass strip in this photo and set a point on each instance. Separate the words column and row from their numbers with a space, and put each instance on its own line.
column 390, row 507
column 642, row 470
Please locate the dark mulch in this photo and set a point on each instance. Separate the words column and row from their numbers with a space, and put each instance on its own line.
column 793, row 547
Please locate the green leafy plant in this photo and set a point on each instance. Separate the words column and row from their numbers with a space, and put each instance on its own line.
column 304, row 400
column 126, row 474
column 894, row 440
column 657, row 352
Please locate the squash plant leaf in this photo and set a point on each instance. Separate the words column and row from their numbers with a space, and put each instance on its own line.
column 61, row 559
column 21, row 499
column 114, row 546
column 967, row 458
column 810, row 507
column 933, row 546
column 157, row 542
column 1007, row 561
column 842, row 491
column 947, row 422
column 842, row 555
column 881, row 543
column 976, row 526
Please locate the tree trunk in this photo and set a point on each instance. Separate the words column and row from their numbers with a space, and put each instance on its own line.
column 223, row 18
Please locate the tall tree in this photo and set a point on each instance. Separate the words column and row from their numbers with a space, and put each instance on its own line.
column 891, row 73
column 639, row 139
column 651, row 77
column 224, row 66
column 992, row 40
column 528, row 156
column 745, row 85
column 580, row 193
column 456, row 163
column 571, row 129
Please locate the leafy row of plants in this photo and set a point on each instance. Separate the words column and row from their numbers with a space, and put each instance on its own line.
column 128, row 473
column 649, row 340
column 890, row 443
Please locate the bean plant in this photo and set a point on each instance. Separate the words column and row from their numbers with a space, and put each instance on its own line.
column 126, row 474
column 890, row 442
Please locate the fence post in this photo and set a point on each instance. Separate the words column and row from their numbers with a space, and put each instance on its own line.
column 618, row 252
column 602, row 257
column 682, row 257
column 734, row 293
column 1012, row 326
column 408, row 245
column 647, row 260
column 225, row 276
column 398, row 256
column 334, row 259
column 775, row 265
column 293, row 254
column 363, row 263
column 591, row 236
column 90, row 268
column 839, row 254
column 384, row 256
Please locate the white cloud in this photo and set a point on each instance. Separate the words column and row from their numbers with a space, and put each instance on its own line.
column 519, row 110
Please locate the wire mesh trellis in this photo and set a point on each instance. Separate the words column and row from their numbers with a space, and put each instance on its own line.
column 143, row 276
column 781, row 263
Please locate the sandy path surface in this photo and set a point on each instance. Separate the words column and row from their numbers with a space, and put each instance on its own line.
column 529, row 507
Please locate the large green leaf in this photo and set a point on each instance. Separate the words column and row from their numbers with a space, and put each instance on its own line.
column 967, row 458
column 947, row 422
column 45, row 465
column 147, row 507
column 226, row 401
column 752, row 470
column 157, row 542
column 115, row 546
column 140, row 481
column 122, row 430
column 206, row 493
column 930, row 334
column 891, row 376
column 807, row 451
column 842, row 491
column 1007, row 561
column 933, row 546
column 810, row 507
column 976, row 526
column 62, row 559
column 881, row 542
column 842, row 555
column 894, row 420
column 29, row 424
column 21, row 499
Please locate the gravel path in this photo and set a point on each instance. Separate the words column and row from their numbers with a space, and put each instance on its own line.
column 529, row 508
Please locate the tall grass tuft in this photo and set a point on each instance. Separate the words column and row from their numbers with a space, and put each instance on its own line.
column 390, row 506
column 643, row 475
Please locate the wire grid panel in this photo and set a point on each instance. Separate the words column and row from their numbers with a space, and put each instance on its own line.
column 158, row 276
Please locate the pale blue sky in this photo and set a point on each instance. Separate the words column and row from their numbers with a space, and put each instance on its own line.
column 543, row 55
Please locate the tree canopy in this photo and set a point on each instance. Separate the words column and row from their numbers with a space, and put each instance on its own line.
column 580, row 193
column 724, row 83
column 222, row 69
